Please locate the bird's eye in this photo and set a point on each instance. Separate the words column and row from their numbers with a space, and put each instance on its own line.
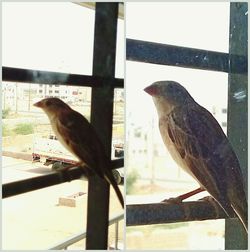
column 170, row 88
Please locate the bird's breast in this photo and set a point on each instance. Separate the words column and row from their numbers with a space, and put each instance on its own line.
column 168, row 142
column 170, row 145
column 54, row 125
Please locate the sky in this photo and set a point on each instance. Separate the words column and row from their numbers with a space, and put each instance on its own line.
column 56, row 36
column 199, row 25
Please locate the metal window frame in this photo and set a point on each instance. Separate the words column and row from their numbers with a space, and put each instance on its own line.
column 103, row 83
column 235, row 63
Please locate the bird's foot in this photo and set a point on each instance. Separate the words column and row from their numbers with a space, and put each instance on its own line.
column 182, row 197
column 68, row 166
column 174, row 200
column 207, row 198
column 214, row 203
column 87, row 171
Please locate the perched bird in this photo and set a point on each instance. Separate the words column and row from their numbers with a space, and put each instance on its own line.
column 197, row 143
column 78, row 136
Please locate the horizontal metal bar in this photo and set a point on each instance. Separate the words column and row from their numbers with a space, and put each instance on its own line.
column 146, row 214
column 47, row 77
column 31, row 184
column 156, row 53
column 82, row 235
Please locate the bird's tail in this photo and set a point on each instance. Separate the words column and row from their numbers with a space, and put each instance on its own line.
column 240, row 207
column 111, row 180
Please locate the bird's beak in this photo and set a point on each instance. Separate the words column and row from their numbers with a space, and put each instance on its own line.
column 38, row 104
column 151, row 90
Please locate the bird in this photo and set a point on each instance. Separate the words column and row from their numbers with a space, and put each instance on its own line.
column 198, row 144
column 79, row 137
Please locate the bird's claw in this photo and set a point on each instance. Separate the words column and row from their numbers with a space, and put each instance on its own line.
column 207, row 198
column 174, row 200
column 213, row 202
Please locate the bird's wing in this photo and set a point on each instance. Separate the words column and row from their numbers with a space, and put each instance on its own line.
column 205, row 149
column 86, row 145
column 81, row 138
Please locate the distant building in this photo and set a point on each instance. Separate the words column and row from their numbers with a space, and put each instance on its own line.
column 17, row 97
column 119, row 95
column 220, row 115
column 9, row 91
column 67, row 93
column 20, row 97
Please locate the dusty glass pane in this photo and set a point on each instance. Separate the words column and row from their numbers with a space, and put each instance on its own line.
column 191, row 24
column 48, row 36
column 152, row 174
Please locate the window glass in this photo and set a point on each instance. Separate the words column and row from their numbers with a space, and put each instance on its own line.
column 52, row 37
column 152, row 175
column 191, row 24
column 48, row 36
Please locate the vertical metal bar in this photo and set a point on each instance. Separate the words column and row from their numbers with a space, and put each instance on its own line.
column 101, row 118
column 235, row 236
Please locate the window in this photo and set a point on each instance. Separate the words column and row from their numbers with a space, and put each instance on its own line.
column 152, row 175
column 62, row 58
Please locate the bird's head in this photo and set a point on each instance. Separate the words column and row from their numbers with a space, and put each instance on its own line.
column 51, row 106
column 168, row 94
